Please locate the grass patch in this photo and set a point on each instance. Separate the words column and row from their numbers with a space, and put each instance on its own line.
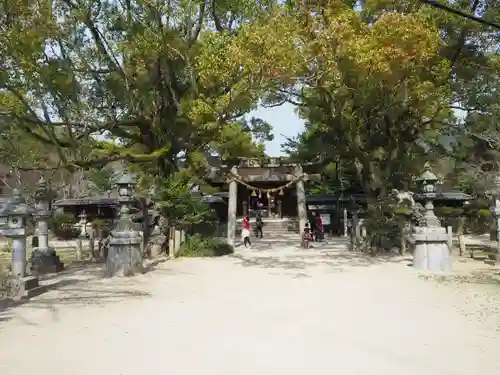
column 196, row 246
column 67, row 256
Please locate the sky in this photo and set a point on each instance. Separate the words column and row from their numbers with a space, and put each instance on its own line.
column 284, row 122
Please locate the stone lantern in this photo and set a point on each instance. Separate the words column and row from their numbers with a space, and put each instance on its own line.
column 124, row 257
column 82, row 223
column 15, row 224
column 495, row 211
column 431, row 247
column 44, row 258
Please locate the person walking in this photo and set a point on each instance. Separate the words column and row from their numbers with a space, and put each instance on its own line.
column 259, row 224
column 245, row 232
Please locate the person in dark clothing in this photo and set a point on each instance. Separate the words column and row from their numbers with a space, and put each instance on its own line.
column 259, row 224
column 319, row 234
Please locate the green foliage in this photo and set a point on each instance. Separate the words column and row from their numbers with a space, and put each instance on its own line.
column 446, row 211
column 8, row 247
column 383, row 108
column 383, row 226
column 479, row 218
column 158, row 91
column 177, row 202
column 63, row 226
column 197, row 246
column 101, row 180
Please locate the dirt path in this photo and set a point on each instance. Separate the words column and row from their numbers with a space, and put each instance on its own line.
column 272, row 310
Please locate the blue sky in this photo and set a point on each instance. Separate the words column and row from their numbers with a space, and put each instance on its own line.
column 284, row 121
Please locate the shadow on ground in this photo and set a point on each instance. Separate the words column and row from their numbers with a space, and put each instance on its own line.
column 287, row 254
column 81, row 285
column 481, row 277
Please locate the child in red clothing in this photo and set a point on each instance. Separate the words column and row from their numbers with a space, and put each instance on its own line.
column 245, row 232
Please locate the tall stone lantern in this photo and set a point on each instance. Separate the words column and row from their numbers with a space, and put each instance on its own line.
column 431, row 247
column 44, row 258
column 124, row 257
column 15, row 224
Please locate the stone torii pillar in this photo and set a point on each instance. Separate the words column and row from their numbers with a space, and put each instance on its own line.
column 301, row 198
column 232, row 204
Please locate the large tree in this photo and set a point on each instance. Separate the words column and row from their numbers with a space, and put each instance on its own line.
column 132, row 75
column 391, row 106
column 373, row 93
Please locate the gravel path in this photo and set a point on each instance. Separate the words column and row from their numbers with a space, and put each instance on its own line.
column 274, row 309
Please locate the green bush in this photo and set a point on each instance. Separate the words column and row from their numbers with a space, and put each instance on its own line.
column 196, row 246
column 63, row 226
column 100, row 228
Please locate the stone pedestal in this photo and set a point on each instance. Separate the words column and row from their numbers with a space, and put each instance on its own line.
column 431, row 249
column 45, row 260
column 24, row 287
column 124, row 257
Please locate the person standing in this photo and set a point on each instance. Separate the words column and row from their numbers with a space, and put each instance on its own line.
column 259, row 224
column 319, row 228
column 312, row 226
column 245, row 232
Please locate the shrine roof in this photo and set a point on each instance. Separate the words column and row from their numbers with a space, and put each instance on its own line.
column 448, row 196
column 335, row 198
column 88, row 201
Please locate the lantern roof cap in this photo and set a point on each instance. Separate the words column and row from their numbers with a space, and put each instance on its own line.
column 16, row 205
column 427, row 174
column 126, row 179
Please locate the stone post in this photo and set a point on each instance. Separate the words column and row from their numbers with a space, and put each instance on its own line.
column 92, row 243
column 171, row 242
column 354, row 229
column 14, row 220
column 124, row 257
column 82, row 236
column 44, row 258
column 301, row 199
column 496, row 214
column 431, row 241
column 402, row 250
column 345, row 223
column 449, row 233
column 232, row 204
column 177, row 240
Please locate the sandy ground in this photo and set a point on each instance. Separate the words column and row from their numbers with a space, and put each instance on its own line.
column 274, row 309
